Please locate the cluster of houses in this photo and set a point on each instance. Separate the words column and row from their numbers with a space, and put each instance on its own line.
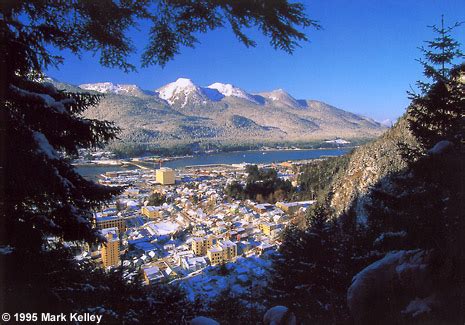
column 197, row 225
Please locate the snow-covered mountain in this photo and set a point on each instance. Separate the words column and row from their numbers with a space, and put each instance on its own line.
column 182, row 112
column 120, row 89
column 229, row 90
column 280, row 96
column 183, row 92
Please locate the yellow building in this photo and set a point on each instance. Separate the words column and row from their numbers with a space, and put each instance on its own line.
column 110, row 249
column 215, row 255
column 151, row 211
column 293, row 207
column 229, row 250
column 226, row 251
column 165, row 176
column 110, row 222
column 266, row 228
column 200, row 246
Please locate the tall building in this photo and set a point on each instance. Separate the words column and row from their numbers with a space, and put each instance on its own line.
column 110, row 249
column 229, row 250
column 226, row 251
column 200, row 246
column 103, row 222
column 165, row 176
column 215, row 255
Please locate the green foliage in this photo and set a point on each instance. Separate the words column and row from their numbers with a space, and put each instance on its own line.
column 316, row 177
column 235, row 190
column 261, row 185
column 423, row 208
column 311, row 272
column 101, row 27
column 156, row 199
column 420, row 207
column 438, row 111
column 43, row 194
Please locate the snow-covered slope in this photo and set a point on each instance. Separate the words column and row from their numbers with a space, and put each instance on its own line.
column 229, row 90
column 279, row 96
column 183, row 92
column 182, row 112
column 109, row 87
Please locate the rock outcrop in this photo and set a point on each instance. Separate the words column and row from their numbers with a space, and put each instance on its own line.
column 369, row 164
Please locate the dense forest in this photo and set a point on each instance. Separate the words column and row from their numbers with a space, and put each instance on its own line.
column 261, row 185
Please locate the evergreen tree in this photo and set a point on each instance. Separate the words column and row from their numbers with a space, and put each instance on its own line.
column 422, row 208
column 156, row 199
column 309, row 276
column 438, row 111
column 262, row 185
column 228, row 308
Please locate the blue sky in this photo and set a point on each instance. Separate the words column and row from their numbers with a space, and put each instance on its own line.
column 362, row 61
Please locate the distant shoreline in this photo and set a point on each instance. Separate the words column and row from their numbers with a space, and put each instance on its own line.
column 131, row 162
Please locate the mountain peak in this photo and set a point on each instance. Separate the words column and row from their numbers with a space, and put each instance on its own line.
column 230, row 90
column 184, row 83
column 280, row 96
column 109, row 87
column 181, row 89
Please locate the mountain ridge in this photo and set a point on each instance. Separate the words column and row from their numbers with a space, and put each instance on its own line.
column 183, row 113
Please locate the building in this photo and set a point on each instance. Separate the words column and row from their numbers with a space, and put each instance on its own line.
column 265, row 247
column 104, row 222
column 229, row 250
column 264, row 207
column 200, row 246
column 226, row 251
column 158, row 272
column 151, row 211
column 192, row 264
column 293, row 207
column 165, row 176
column 267, row 228
column 110, row 249
column 215, row 255
column 153, row 274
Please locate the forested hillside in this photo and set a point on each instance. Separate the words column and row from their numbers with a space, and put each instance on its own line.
column 384, row 244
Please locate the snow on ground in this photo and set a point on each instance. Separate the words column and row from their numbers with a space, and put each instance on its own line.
column 242, row 274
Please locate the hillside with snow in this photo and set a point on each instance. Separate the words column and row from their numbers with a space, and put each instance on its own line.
column 184, row 113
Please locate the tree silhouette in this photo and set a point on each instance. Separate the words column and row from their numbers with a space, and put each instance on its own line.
column 438, row 111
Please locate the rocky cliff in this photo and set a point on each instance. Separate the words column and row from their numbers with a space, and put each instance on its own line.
column 368, row 165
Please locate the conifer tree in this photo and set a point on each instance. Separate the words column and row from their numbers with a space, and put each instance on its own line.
column 438, row 111
column 308, row 273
